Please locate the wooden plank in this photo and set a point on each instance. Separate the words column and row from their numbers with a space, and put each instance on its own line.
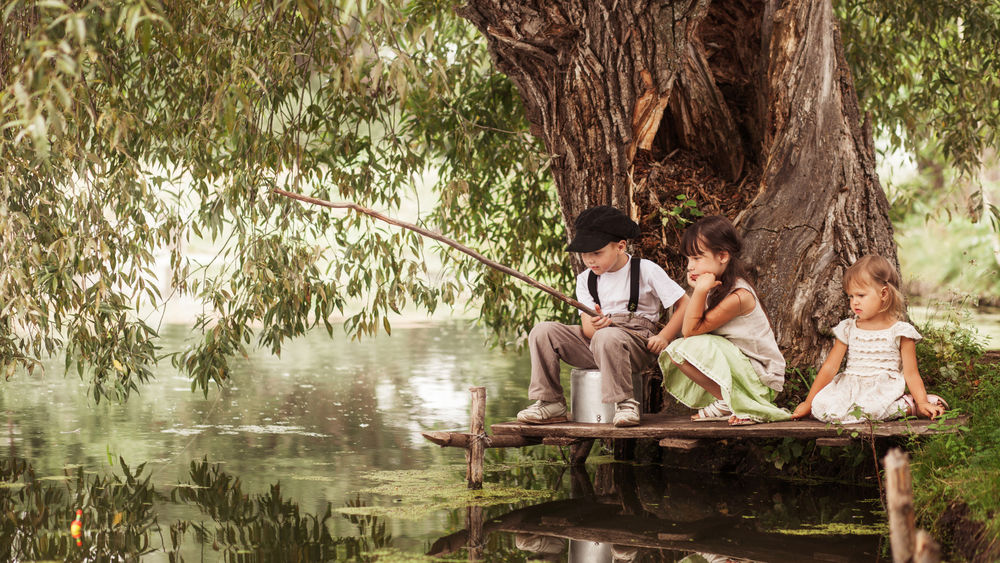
column 686, row 444
column 463, row 439
column 665, row 426
column 838, row 442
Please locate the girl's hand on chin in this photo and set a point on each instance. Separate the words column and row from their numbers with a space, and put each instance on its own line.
column 706, row 281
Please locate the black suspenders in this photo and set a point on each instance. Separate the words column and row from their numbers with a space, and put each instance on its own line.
column 633, row 298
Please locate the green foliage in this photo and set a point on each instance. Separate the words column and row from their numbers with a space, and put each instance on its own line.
column 947, row 252
column 138, row 133
column 784, row 451
column 964, row 467
column 686, row 211
column 934, row 84
column 948, row 359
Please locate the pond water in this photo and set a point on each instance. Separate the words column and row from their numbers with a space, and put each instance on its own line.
column 317, row 455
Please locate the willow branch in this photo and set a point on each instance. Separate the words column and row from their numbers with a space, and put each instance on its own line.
column 430, row 234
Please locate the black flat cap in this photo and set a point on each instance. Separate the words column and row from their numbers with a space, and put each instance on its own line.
column 597, row 226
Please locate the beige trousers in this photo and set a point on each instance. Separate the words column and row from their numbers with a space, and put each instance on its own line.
column 613, row 351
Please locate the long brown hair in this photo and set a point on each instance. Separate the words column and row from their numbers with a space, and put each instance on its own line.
column 717, row 234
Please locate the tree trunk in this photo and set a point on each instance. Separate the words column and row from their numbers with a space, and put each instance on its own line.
column 746, row 107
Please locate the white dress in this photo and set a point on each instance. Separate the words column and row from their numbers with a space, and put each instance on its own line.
column 873, row 379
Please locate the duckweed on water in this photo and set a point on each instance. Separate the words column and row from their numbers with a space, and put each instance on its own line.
column 388, row 555
column 415, row 493
column 838, row 528
column 326, row 478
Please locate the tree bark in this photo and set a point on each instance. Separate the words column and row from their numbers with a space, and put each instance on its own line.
column 750, row 100
column 595, row 78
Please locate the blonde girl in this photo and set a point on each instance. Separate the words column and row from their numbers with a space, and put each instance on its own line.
column 727, row 365
column 881, row 355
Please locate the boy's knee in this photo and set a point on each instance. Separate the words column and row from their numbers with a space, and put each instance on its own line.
column 607, row 338
column 541, row 330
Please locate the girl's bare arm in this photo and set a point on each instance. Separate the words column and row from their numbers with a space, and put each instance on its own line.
column 739, row 302
column 908, row 353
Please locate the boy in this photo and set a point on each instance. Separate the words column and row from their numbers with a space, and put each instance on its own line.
column 623, row 339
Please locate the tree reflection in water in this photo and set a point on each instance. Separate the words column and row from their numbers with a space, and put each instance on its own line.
column 121, row 521
column 650, row 513
column 118, row 514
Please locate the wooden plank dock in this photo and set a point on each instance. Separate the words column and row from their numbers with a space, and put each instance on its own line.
column 672, row 431
column 667, row 426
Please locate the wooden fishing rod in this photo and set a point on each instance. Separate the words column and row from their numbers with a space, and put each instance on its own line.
column 430, row 234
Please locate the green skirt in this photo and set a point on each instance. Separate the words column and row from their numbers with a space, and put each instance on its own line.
column 722, row 362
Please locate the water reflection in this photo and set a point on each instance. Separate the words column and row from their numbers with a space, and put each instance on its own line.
column 118, row 514
column 626, row 513
column 122, row 521
column 278, row 466
column 620, row 513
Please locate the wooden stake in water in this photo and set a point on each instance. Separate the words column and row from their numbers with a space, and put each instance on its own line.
column 899, row 503
column 476, row 451
column 908, row 543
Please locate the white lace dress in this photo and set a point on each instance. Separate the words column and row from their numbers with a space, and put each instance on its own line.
column 873, row 378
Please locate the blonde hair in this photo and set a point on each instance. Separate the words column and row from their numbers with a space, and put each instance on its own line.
column 877, row 272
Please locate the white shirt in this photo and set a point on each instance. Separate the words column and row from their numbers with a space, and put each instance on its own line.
column 656, row 290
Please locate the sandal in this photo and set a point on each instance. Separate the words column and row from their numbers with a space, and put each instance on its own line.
column 741, row 420
column 719, row 410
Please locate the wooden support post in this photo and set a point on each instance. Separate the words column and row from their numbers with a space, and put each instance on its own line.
column 476, row 451
column 578, row 452
column 908, row 543
column 899, row 503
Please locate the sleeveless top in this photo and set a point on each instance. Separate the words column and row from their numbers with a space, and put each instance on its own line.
column 752, row 334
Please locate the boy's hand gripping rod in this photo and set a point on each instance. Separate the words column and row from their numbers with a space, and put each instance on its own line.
column 430, row 234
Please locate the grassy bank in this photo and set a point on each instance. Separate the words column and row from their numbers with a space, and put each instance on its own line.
column 956, row 478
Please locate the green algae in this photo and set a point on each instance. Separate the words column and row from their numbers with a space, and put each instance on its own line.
column 415, row 493
column 838, row 528
column 324, row 478
column 389, row 555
